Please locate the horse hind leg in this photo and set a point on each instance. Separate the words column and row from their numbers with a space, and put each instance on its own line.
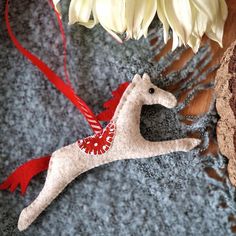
column 57, row 179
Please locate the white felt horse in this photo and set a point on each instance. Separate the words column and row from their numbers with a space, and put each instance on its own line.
column 120, row 140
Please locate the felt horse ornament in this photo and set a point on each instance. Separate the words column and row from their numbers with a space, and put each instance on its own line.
column 120, row 139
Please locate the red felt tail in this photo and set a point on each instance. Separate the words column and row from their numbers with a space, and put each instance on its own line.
column 23, row 174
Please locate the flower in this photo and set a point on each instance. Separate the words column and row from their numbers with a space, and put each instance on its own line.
column 188, row 19
column 132, row 17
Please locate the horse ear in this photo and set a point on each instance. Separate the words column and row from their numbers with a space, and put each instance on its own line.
column 146, row 77
column 136, row 78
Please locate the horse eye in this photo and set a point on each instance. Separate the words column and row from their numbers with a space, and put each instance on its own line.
column 151, row 90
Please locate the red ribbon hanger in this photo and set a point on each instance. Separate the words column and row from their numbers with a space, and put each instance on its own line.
column 23, row 174
column 64, row 88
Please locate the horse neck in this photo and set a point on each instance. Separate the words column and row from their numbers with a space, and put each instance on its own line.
column 127, row 115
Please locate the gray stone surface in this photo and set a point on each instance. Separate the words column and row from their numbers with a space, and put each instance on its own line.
column 165, row 195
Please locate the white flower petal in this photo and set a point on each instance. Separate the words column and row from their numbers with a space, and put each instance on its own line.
column 134, row 14
column 209, row 7
column 188, row 19
column 80, row 11
column 111, row 14
column 179, row 17
column 162, row 17
column 200, row 24
column 180, row 43
column 150, row 11
column 194, row 43
column 114, row 35
column 175, row 43
column 224, row 9
column 92, row 22
column 57, row 5
column 215, row 29
column 215, row 32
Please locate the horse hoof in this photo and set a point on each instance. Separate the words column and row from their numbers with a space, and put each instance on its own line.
column 192, row 143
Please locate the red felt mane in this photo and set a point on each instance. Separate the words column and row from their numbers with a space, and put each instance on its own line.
column 112, row 104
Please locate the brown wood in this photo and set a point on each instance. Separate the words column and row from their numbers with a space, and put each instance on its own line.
column 201, row 102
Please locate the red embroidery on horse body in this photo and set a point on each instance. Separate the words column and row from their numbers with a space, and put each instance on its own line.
column 99, row 143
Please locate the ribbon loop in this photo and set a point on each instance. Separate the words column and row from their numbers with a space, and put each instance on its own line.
column 63, row 87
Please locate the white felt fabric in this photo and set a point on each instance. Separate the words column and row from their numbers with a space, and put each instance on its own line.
column 69, row 162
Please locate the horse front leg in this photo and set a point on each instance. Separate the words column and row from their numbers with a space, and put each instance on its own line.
column 146, row 148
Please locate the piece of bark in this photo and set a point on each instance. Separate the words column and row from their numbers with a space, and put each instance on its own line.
column 225, row 90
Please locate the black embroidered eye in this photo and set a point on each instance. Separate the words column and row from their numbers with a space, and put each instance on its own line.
column 151, row 90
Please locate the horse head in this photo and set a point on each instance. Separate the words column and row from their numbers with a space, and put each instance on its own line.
column 150, row 94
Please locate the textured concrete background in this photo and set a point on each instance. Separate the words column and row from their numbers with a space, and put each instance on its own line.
column 166, row 195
